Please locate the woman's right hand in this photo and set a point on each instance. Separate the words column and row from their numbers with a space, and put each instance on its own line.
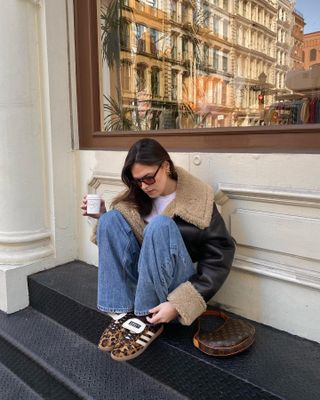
column 84, row 208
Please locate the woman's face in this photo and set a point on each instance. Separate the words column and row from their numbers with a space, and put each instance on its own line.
column 162, row 186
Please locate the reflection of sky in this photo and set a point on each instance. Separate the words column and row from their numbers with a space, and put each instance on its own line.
column 310, row 10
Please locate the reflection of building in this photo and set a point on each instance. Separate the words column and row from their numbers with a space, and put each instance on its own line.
column 254, row 38
column 143, row 59
column 311, row 49
column 206, row 63
column 297, row 34
column 206, row 83
column 177, row 61
column 284, row 44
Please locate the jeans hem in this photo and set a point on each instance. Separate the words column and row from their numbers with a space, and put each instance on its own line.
column 114, row 310
column 141, row 313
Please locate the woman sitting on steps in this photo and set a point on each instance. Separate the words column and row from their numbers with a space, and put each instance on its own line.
column 163, row 222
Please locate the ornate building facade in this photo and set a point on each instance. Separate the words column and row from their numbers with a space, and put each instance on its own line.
column 196, row 63
column 311, row 49
column 284, row 44
column 254, row 43
column 297, row 34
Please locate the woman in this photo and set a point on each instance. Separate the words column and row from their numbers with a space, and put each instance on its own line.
column 163, row 222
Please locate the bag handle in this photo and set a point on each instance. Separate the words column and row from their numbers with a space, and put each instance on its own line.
column 216, row 313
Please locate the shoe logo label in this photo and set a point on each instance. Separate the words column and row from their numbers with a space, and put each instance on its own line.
column 134, row 325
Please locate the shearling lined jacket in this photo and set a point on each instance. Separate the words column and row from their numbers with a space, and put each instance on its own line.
column 206, row 238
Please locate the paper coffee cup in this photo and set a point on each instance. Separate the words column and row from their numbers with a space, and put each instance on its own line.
column 93, row 203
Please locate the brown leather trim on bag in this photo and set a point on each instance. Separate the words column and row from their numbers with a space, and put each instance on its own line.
column 232, row 337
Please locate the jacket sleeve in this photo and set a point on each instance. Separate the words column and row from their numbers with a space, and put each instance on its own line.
column 216, row 251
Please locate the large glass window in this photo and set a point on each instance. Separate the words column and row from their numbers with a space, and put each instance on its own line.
column 202, row 63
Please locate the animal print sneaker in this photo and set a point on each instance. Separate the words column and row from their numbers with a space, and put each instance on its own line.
column 138, row 336
column 114, row 331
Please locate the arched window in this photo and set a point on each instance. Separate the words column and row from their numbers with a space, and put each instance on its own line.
column 313, row 55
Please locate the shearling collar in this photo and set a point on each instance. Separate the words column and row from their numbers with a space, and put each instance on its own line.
column 193, row 203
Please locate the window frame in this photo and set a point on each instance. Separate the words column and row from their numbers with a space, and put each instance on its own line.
column 267, row 139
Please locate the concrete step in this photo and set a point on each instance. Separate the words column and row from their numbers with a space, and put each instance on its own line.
column 277, row 366
column 13, row 388
column 58, row 364
column 21, row 351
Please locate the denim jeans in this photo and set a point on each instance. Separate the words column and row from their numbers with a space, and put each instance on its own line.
column 134, row 278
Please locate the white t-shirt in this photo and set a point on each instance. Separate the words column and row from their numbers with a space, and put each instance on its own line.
column 159, row 204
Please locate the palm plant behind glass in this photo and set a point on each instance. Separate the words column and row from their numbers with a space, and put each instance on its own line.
column 116, row 116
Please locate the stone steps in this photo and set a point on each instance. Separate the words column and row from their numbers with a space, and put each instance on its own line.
column 60, row 330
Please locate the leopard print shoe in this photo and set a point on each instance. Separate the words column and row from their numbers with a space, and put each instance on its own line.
column 138, row 336
column 114, row 332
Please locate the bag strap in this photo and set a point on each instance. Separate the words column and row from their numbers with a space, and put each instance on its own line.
column 216, row 313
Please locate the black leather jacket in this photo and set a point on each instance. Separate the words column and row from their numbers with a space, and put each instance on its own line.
column 213, row 249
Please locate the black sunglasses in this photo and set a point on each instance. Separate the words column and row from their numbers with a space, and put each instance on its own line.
column 148, row 180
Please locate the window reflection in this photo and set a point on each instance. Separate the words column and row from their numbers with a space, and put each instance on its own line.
column 207, row 63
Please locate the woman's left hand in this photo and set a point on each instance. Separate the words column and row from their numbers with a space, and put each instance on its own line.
column 164, row 312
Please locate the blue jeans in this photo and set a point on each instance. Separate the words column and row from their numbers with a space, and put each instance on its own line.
column 134, row 278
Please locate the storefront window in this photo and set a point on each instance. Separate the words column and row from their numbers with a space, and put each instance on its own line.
column 210, row 61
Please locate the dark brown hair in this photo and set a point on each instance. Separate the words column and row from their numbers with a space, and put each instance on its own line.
column 147, row 152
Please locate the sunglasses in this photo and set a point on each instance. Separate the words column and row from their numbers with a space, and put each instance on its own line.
column 148, row 180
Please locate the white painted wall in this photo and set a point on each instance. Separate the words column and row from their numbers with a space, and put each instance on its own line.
column 271, row 205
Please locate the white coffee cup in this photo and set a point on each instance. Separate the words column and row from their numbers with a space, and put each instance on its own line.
column 93, row 203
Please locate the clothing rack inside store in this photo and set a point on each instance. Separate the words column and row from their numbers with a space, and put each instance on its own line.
column 301, row 107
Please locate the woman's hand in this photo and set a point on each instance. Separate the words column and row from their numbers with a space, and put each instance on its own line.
column 84, row 208
column 164, row 312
